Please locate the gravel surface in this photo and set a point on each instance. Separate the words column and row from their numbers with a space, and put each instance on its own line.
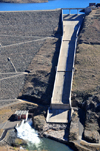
column 39, row 82
column 29, row 23
column 9, row 40
column 10, row 88
column 20, row 54
column 8, row 75
column 91, row 29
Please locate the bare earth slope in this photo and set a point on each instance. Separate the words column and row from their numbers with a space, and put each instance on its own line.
column 87, row 66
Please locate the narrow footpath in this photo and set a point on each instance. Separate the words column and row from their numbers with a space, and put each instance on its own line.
column 60, row 108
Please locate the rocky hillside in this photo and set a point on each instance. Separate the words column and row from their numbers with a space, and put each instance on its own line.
column 86, row 83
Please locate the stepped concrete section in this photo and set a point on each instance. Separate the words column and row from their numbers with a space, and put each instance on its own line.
column 60, row 108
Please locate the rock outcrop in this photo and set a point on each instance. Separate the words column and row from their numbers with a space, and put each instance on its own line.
column 74, row 129
column 91, row 136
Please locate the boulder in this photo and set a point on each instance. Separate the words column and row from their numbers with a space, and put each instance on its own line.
column 90, row 104
column 12, row 139
column 74, row 129
column 91, row 122
column 91, row 136
column 39, row 122
column 19, row 142
column 77, row 101
column 91, row 117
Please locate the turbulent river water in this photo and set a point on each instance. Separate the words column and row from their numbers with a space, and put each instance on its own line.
column 26, row 132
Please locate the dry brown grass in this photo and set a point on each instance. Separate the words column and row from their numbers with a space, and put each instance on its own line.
column 86, row 77
column 87, row 63
column 6, row 112
column 1, row 131
column 91, row 28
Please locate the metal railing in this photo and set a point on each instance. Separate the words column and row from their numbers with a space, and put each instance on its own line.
column 72, row 9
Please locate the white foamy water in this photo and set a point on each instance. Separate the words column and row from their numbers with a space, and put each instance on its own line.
column 26, row 132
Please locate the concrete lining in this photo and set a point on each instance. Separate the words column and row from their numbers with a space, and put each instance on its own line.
column 55, row 116
column 61, row 97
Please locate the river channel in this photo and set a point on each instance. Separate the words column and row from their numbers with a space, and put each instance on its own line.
column 26, row 132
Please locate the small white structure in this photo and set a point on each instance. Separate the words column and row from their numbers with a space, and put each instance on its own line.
column 21, row 114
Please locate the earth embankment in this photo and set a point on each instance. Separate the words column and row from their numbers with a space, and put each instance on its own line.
column 24, row 36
